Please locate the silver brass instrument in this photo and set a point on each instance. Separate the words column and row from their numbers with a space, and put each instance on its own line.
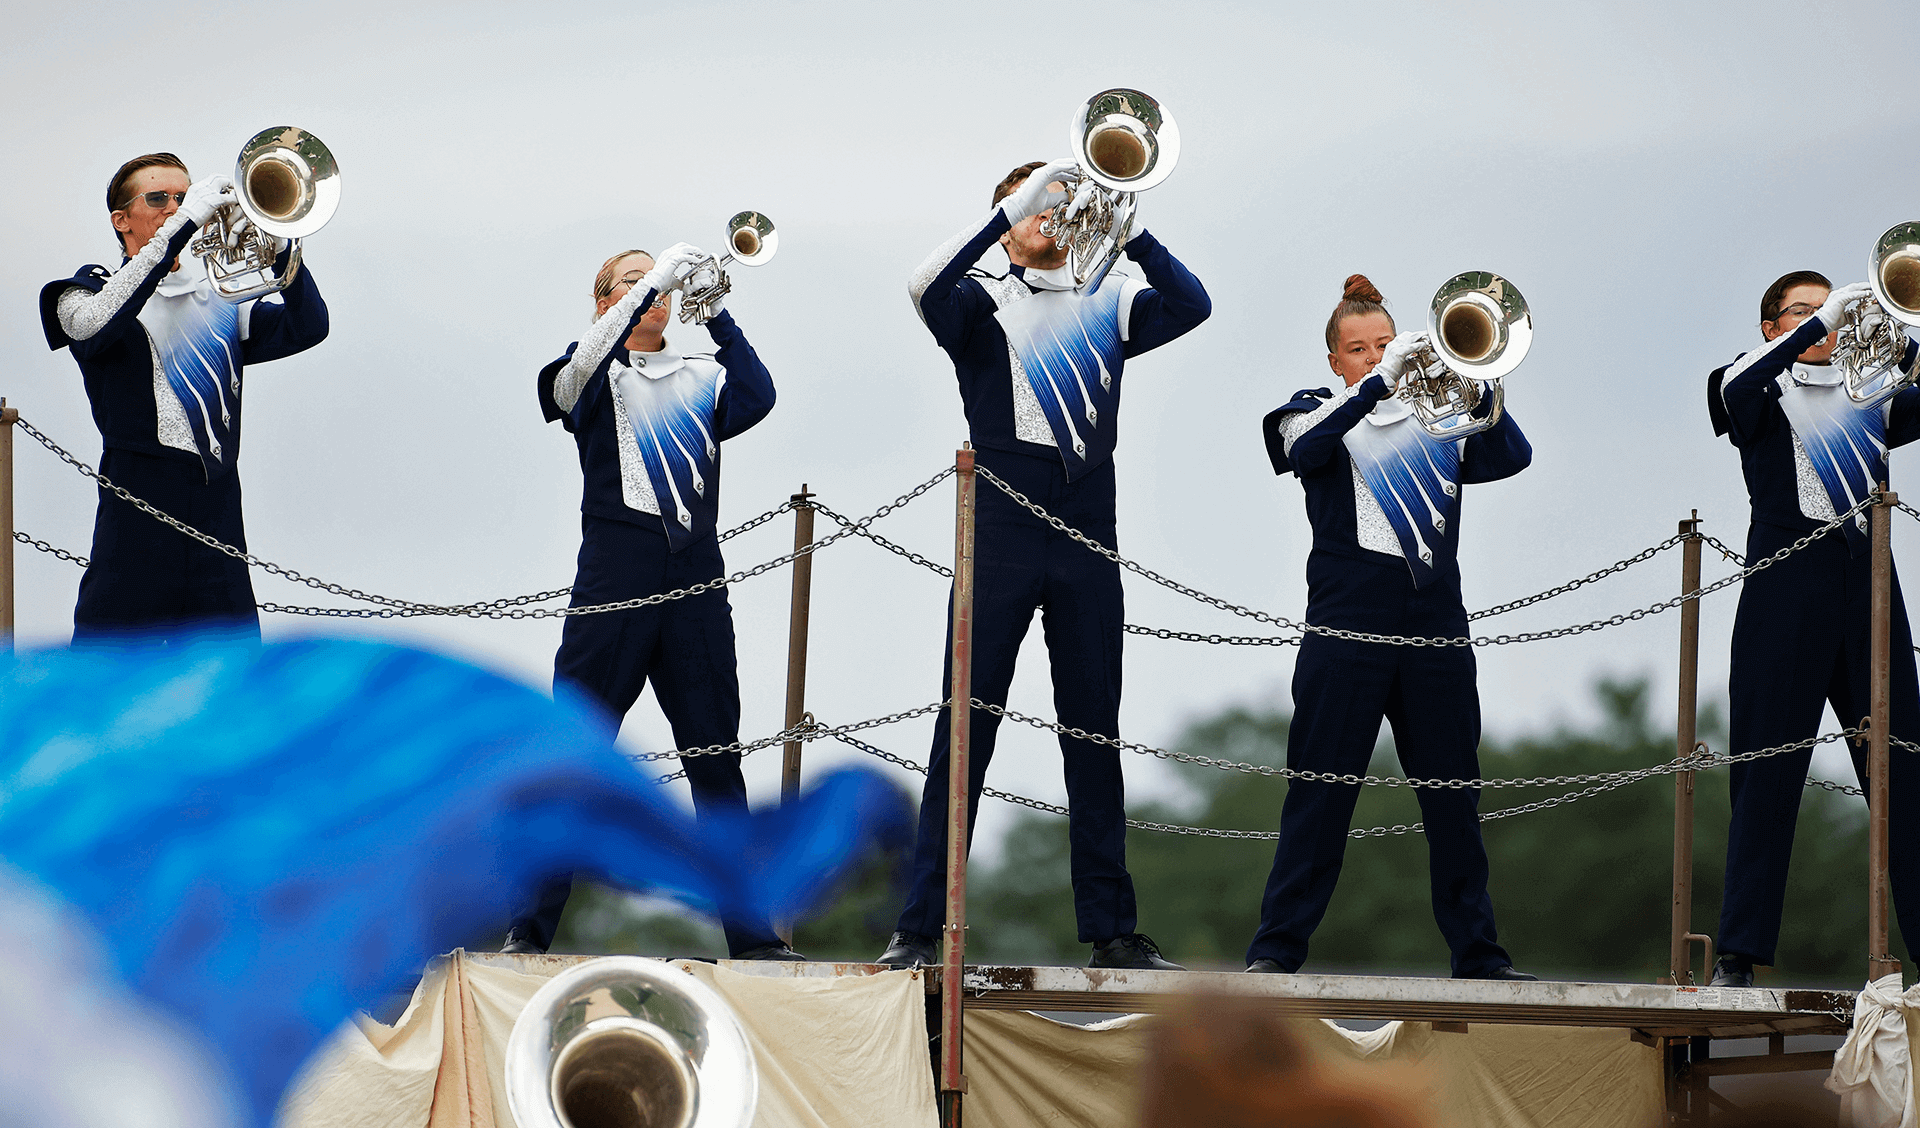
column 626, row 1042
column 1478, row 330
column 1125, row 143
column 286, row 183
column 1870, row 348
column 751, row 241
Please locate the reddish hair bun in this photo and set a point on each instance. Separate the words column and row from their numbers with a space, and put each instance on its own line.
column 1358, row 289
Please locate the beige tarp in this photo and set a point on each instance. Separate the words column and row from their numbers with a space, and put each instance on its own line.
column 851, row 1052
column 848, row 1052
column 1023, row 1069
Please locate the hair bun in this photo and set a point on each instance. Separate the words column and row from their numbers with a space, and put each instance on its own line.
column 1358, row 289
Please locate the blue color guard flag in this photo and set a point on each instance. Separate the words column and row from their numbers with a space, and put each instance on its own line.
column 269, row 837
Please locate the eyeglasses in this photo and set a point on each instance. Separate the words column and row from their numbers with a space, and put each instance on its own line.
column 157, row 200
column 658, row 303
column 1800, row 310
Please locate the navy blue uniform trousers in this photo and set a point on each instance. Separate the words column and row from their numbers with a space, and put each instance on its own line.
column 1020, row 566
column 1800, row 642
column 685, row 646
column 151, row 581
column 1341, row 690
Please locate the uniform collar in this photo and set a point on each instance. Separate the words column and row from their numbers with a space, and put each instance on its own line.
column 1058, row 278
column 1388, row 411
column 1816, row 375
column 191, row 276
column 656, row 365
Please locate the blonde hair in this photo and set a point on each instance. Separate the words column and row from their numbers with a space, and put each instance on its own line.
column 603, row 282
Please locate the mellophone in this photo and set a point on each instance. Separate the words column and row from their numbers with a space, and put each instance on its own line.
column 287, row 185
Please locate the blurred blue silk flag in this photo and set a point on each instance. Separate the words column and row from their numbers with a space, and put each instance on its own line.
column 268, row 837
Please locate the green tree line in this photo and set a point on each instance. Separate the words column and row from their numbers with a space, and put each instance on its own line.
column 1580, row 890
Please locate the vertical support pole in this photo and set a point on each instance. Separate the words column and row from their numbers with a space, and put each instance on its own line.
column 797, row 616
column 797, row 642
column 1679, row 957
column 953, row 1083
column 1880, row 961
column 8, row 415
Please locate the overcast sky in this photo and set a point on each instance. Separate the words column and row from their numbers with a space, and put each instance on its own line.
column 1641, row 171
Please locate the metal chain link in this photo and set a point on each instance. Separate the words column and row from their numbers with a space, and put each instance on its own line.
column 1402, row 640
column 1215, row 639
column 43, row 546
column 807, row 730
column 1617, row 566
column 1702, row 758
column 1722, row 548
column 897, row 549
column 1266, row 835
column 511, row 608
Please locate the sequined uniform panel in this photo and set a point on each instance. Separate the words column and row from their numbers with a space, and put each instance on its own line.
column 671, row 419
column 1069, row 345
column 1415, row 479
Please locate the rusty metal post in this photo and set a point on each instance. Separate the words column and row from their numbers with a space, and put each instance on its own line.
column 797, row 615
column 797, row 642
column 953, row 1083
column 1880, row 960
column 1679, row 954
column 8, row 415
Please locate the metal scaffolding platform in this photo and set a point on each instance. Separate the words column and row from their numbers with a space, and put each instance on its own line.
column 1648, row 1010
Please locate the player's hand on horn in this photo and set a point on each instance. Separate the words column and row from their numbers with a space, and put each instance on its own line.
column 665, row 275
column 1033, row 197
column 1393, row 361
column 206, row 196
column 1834, row 308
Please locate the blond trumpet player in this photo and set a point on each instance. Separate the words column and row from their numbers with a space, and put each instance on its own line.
column 162, row 357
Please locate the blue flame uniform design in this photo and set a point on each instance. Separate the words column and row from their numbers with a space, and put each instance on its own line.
column 649, row 428
column 1383, row 498
column 174, row 441
column 1800, row 636
column 1039, row 371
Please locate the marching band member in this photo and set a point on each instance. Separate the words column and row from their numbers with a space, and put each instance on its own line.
column 1043, row 417
column 649, row 421
column 1800, row 635
column 162, row 357
column 1366, row 466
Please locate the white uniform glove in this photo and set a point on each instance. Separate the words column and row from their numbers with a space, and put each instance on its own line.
column 1832, row 310
column 665, row 275
column 1394, row 361
column 206, row 196
column 237, row 236
column 1032, row 197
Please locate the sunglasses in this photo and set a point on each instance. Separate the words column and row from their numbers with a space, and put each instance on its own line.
column 157, row 200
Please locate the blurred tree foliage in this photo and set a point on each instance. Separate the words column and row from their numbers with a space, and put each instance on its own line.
column 1580, row 891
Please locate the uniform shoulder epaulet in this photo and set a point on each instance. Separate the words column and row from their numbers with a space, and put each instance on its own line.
column 984, row 274
column 91, row 278
column 1304, row 400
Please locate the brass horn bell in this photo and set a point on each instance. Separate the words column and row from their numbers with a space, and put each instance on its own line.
column 286, row 184
column 1478, row 330
column 626, row 1042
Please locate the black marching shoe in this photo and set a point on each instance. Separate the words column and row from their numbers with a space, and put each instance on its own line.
column 1507, row 972
column 1131, row 951
column 1732, row 971
column 520, row 944
column 909, row 949
column 774, row 951
column 1265, row 966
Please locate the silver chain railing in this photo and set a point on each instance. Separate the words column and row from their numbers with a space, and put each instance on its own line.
column 1285, row 623
column 510, row 608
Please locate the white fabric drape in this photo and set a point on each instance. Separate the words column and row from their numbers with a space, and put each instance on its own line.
column 1873, row 1070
